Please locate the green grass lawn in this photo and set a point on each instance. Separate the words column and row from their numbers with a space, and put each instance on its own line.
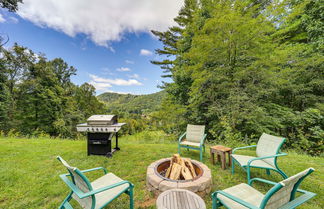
column 29, row 171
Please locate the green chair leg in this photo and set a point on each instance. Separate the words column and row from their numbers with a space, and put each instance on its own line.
column 248, row 174
column 201, row 154
column 131, row 198
column 179, row 149
column 66, row 200
column 215, row 203
column 233, row 161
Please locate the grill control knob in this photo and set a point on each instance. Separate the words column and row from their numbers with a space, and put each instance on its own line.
column 97, row 129
column 106, row 129
column 92, row 129
column 101, row 129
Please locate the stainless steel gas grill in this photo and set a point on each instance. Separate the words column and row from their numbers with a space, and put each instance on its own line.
column 100, row 130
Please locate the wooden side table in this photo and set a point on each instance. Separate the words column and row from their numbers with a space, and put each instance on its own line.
column 179, row 199
column 221, row 155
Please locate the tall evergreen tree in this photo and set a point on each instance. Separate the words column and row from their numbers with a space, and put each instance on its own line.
column 4, row 99
column 247, row 67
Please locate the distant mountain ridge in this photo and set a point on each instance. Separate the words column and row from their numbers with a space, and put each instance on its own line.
column 130, row 103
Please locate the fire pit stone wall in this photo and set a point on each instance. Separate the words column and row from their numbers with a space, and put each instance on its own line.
column 157, row 184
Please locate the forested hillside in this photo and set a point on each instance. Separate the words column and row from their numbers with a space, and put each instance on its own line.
column 37, row 96
column 246, row 67
column 138, row 104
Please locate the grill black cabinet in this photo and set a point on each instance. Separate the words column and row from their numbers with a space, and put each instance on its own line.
column 100, row 131
column 99, row 144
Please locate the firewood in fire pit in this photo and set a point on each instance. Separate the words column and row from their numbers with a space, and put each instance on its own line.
column 185, row 172
column 191, row 168
column 168, row 172
column 175, row 171
column 180, row 169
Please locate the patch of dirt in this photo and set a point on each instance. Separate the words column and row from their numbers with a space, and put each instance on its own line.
column 147, row 203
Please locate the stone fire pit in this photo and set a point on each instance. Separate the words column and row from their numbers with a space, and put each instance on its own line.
column 157, row 183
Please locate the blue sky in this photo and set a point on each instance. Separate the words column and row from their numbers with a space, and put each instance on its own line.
column 111, row 53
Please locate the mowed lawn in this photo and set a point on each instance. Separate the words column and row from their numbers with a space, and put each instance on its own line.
column 29, row 171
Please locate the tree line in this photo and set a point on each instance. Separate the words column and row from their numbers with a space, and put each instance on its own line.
column 38, row 97
column 243, row 67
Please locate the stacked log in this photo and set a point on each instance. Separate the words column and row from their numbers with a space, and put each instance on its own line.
column 180, row 168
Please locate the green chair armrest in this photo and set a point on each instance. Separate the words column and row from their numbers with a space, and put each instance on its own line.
column 82, row 195
column 107, row 188
column 180, row 138
column 265, row 157
column 238, row 148
column 261, row 180
column 299, row 200
column 242, row 202
column 202, row 141
column 94, row 169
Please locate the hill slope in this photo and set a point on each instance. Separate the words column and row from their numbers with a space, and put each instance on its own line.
column 132, row 103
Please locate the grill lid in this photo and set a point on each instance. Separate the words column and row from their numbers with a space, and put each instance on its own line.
column 102, row 120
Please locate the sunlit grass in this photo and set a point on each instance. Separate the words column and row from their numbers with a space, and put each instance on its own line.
column 29, row 172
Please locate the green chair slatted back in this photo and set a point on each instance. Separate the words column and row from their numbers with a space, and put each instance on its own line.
column 82, row 182
column 195, row 133
column 194, row 139
column 269, row 145
column 284, row 191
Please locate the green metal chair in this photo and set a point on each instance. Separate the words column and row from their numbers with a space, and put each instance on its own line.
column 194, row 139
column 281, row 196
column 267, row 151
column 96, row 194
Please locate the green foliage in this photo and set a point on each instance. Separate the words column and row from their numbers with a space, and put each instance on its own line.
column 38, row 98
column 137, row 111
column 87, row 101
column 134, row 124
column 132, row 104
column 170, row 117
column 4, row 99
column 247, row 67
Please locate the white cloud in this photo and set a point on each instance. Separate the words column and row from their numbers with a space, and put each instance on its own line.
column 102, row 21
column 123, row 69
column 107, row 71
column 117, row 81
column 2, row 19
column 136, row 76
column 100, row 86
column 13, row 20
column 118, row 92
column 145, row 52
column 129, row 62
